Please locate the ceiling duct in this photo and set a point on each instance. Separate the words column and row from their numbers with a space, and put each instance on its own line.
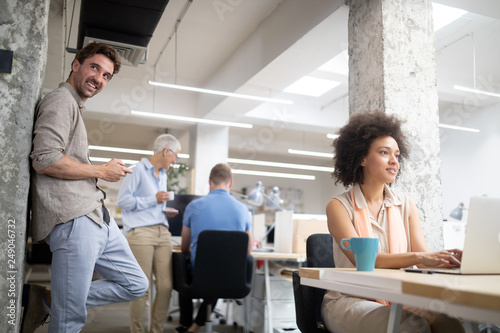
column 126, row 25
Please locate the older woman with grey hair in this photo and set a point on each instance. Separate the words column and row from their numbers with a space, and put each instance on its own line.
column 142, row 199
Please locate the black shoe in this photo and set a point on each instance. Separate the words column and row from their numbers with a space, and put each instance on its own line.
column 181, row 329
column 34, row 314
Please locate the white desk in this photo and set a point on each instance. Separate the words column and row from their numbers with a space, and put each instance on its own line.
column 473, row 298
column 267, row 256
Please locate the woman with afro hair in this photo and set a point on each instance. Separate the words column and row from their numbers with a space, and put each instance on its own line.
column 368, row 155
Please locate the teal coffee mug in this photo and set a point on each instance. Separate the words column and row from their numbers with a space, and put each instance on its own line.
column 365, row 252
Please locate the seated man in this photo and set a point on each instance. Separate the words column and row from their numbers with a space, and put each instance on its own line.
column 216, row 211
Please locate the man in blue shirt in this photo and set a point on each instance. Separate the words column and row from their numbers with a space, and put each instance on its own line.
column 142, row 199
column 216, row 211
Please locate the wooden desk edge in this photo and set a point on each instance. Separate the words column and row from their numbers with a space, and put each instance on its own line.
column 311, row 273
column 453, row 296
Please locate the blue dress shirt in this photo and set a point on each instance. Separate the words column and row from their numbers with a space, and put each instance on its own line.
column 216, row 211
column 137, row 197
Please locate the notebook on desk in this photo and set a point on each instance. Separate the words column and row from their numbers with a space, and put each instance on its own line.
column 481, row 253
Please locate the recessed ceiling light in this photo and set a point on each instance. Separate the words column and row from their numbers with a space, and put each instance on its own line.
column 444, row 15
column 130, row 151
column 460, row 128
column 310, row 153
column 273, row 174
column 311, row 86
column 332, row 136
column 338, row 64
column 221, row 93
column 280, row 165
column 191, row 119
column 476, row 91
column 106, row 159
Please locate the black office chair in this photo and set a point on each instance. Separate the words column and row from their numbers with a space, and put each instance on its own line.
column 319, row 251
column 223, row 268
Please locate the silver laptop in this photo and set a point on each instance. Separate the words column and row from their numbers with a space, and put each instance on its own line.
column 481, row 253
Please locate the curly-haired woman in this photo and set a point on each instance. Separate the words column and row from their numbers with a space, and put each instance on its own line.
column 368, row 155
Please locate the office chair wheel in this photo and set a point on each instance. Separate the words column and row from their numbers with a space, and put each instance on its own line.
column 222, row 321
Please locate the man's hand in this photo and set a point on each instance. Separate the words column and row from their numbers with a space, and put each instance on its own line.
column 171, row 213
column 161, row 197
column 114, row 170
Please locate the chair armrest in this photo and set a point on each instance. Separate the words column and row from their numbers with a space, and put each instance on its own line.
column 306, row 305
column 180, row 270
column 249, row 270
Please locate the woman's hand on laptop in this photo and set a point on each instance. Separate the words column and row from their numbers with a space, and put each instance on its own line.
column 444, row 259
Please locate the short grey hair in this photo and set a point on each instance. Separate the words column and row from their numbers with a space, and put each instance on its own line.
column 166, row 141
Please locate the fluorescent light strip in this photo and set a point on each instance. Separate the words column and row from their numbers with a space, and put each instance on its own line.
column 130, row 151
column 309, row 153
column 280, row 165
column 222, row 93
column 190, row 119
column 332, row 136
column 467, row 129
column 476, row 91
column 128, row 162
column 272, row 174
column 311, row 86
column 105, row 160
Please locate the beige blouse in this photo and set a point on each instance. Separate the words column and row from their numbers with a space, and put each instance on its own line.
column 380, row 227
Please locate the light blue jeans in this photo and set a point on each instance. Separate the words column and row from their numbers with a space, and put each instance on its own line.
column 79, row 246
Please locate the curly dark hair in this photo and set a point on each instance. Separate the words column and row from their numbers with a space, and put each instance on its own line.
column 355, row 140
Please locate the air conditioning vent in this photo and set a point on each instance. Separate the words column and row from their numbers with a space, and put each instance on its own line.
column 131, row 54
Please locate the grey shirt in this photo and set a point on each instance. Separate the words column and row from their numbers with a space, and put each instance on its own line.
column 59, row 131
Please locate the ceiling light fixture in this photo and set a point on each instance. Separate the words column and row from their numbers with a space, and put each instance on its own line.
column 476, row 91
column 272, row 174
column 281, row 165
column 190, row 119
column 310, row 153
column 127, row 162
column 311, row 86
column 332, row 136
column 106, row 160
column 467, row 129
column 444, row 15
column 221, row 93
column 338, row 64
column 130, row 151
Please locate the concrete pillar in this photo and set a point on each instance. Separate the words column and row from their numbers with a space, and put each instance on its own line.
column 392, row 67
column 209, row 146
column 23, row 27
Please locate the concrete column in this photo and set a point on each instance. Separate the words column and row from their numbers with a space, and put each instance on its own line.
column 23, row 27
column 209, row 146
column 392, row 67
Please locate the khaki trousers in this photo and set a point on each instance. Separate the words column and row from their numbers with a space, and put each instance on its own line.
column 152, row 247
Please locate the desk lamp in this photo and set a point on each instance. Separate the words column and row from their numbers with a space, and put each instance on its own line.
column 273, row 200
column 256, row 196
column 457, row 213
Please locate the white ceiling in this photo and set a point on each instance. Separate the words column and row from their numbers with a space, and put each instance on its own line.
column 260, row 47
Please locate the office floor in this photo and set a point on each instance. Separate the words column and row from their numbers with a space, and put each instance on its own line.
column 115, row 318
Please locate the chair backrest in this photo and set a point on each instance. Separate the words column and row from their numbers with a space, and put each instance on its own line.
column 319, row 250
column 223, row 267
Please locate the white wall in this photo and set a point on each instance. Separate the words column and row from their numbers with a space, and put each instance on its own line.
column 470, row 161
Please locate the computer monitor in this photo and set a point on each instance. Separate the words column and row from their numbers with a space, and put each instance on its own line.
column 180, row 202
